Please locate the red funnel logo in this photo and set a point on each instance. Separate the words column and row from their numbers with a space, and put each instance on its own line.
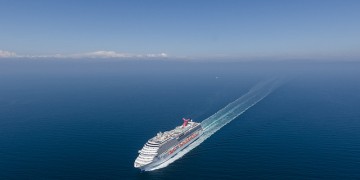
column 185, row 122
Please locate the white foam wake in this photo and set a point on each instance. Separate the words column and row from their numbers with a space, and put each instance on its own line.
column 218, row 120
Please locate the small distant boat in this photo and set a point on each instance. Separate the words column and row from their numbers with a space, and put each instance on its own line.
column 166, row 145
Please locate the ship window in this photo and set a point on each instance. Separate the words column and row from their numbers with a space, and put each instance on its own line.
column 152, row 145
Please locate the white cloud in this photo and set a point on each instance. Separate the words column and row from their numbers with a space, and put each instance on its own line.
column 113, row 54
column 7, row 54
column 101, row 54
column 95, row 54
column 157, row 55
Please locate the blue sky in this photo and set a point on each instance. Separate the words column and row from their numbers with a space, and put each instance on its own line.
column 191, row 29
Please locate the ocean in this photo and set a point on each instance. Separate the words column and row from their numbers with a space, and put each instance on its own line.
column 72, row 119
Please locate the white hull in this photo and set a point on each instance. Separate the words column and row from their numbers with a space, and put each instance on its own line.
column 156, row 163
column 164, row 146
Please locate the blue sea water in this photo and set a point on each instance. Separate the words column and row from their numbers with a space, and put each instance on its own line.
column 87, row 120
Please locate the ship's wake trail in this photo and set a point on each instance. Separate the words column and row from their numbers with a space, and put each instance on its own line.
column 218, row 120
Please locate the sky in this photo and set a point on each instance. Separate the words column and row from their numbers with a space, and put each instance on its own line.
column 180, row 29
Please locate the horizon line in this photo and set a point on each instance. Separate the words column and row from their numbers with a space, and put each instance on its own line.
column 108, row 54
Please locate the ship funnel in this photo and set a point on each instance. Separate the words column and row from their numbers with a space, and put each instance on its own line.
column 185, row 122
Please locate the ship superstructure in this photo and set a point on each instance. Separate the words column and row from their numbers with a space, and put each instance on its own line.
column 163, row 146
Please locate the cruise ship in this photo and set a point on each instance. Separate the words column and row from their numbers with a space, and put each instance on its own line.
column 164, row 146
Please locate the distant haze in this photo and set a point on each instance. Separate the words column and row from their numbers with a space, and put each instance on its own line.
column 185, row 29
